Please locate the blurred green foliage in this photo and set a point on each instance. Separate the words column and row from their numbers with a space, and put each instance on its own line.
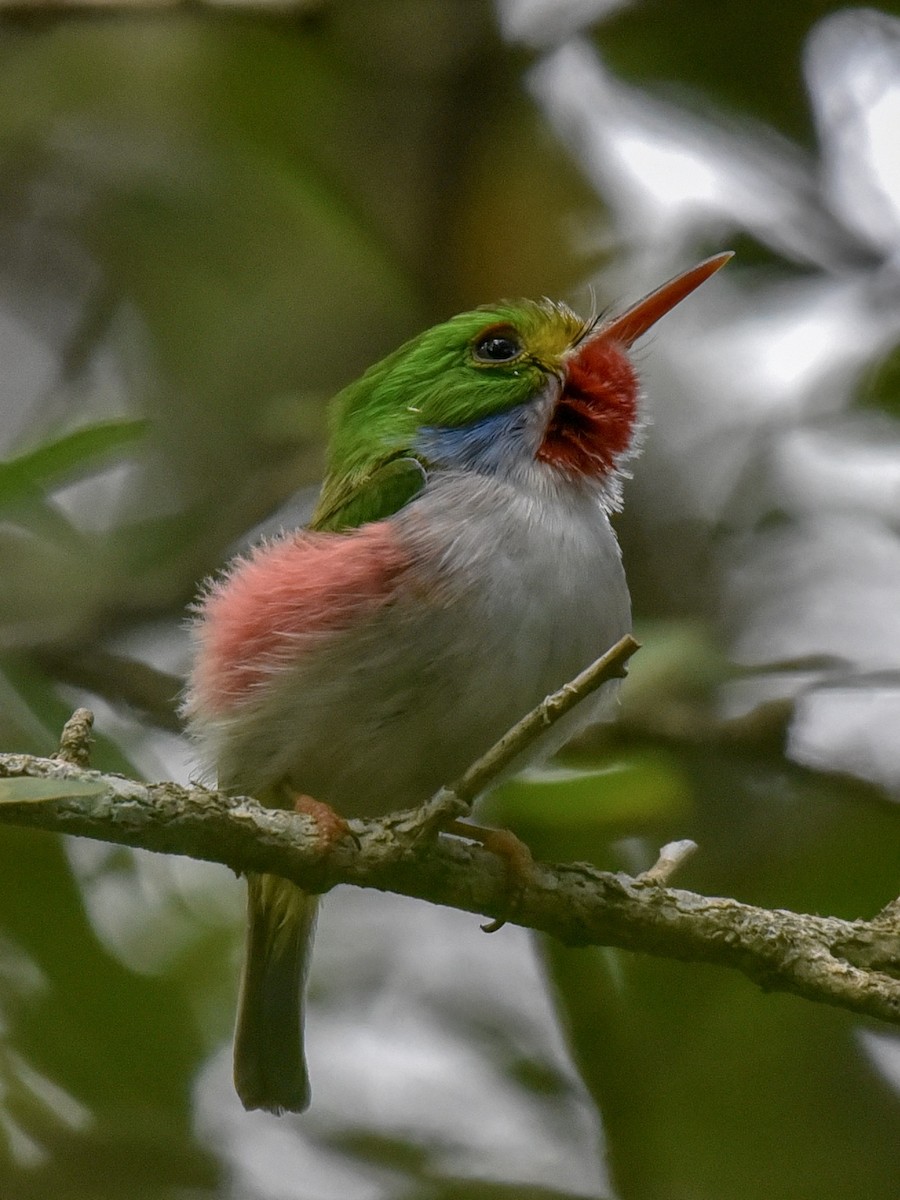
column 211, row 220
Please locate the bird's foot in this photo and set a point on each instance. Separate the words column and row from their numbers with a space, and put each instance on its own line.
column 330, row 825
column 516, row 856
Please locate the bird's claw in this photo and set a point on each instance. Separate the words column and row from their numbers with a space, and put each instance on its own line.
column 331, row 827
column 516, row 857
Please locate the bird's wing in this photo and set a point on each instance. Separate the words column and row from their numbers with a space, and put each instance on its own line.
column 382, row 492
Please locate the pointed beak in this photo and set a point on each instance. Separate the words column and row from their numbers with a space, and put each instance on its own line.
column 634, row 323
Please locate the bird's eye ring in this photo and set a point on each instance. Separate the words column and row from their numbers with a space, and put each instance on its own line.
column 497, row 345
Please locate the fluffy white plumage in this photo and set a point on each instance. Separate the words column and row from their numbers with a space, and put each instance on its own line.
column 513, row 594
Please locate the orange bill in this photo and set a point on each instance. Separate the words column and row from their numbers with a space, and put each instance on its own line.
column 635, row 322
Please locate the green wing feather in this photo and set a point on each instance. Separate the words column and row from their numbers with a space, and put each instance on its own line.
column 345, row 504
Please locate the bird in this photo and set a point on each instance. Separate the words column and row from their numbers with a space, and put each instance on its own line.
column 460, row 565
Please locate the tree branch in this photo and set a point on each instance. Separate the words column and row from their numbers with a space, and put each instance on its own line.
column 851, row 964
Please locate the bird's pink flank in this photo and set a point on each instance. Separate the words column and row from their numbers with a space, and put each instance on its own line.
column 295, row 588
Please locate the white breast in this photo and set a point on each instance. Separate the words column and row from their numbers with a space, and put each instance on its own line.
column 512, row 595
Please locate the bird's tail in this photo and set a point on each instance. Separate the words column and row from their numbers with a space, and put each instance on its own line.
column 269, row 1065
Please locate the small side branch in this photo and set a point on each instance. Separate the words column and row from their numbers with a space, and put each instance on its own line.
column 611, row 665
column 75, row 740
column 457, row 798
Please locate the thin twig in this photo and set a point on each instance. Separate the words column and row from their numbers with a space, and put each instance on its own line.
column 456, row 799
column 610, row 665
column 671, row 858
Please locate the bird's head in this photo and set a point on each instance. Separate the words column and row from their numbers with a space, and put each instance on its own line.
column 514, row 389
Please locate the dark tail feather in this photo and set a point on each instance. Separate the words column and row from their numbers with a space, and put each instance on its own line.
column 269, row 1066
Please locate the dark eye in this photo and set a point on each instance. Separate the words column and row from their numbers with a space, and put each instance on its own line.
column 498, row 347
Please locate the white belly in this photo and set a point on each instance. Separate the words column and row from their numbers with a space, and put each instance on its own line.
column 516, row 598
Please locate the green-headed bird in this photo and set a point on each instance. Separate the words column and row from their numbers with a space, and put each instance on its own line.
column 460, row 566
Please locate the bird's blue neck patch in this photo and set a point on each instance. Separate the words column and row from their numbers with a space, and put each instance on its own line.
column 490, row 446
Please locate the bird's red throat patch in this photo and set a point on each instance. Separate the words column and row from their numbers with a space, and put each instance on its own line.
column 593, row 421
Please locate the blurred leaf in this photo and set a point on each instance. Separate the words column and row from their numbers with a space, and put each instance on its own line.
column 17, row 791
column 562, row 812
column 881, row 387
column 57, row 461
column 708, row 1087
column 712, row 1090
column 121, row 1045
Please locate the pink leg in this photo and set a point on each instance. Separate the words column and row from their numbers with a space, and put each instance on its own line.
column 516, row 856
column 331, row 826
